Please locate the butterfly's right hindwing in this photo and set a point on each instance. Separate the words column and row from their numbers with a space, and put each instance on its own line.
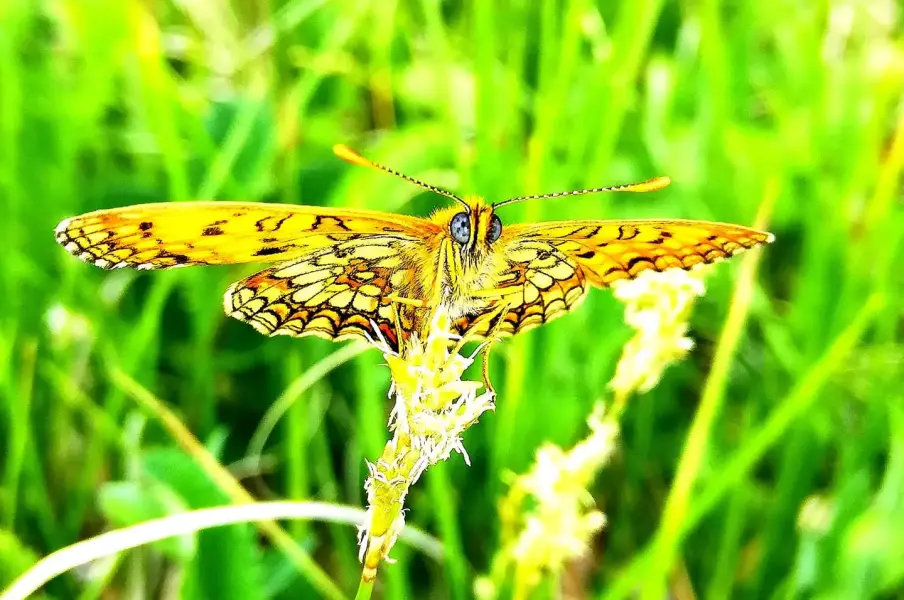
column 340, row 292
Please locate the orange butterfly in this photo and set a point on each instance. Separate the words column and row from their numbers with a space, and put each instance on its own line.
column 343, row 273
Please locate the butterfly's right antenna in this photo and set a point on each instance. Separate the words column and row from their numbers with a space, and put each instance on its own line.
column 651, row 185
column 346, row 153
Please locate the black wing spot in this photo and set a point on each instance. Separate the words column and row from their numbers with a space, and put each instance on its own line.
column 280, row 222
column 269, row 251
column 624, row 236
column 179, row 259
column 262, row 224
column 665, row 234
column 319, row 221
column 588, row 254
column 212, row 230
column 145, row 225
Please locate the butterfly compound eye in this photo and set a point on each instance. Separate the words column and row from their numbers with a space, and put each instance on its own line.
column 460, row 228
column 495, row 229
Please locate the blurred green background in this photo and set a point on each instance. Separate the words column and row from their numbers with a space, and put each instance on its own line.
column 111, row 102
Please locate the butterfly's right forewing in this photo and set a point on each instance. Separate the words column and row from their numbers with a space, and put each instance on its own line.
column 164, row 235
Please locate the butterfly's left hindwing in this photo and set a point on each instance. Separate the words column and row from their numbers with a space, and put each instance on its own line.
column 539, row 284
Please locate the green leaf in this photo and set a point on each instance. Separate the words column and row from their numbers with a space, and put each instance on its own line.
column 17, row 558
column 227, row 562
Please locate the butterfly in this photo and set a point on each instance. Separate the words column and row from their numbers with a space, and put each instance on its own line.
column 353, row 273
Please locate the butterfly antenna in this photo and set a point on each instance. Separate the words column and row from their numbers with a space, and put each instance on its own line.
column 347, row 154
column 651, row 185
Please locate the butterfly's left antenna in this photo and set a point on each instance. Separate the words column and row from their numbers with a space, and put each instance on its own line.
column 650, row 185
column 346, row 153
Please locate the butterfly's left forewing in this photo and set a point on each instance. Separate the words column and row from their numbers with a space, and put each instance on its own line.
column 550, row 266
column 607, row 251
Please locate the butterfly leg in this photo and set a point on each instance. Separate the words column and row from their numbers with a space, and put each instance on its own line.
column 491, row 334
column 492, row 339
column 409, row 301
column 485, row 368
column 400, row 303
column 496, row 318
column 400, row 331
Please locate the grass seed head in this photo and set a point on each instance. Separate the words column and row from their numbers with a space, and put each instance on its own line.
column 433, row 406
column 657, row 307
column 548, row 515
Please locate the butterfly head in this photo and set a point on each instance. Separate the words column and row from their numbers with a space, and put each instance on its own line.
column 473, row 229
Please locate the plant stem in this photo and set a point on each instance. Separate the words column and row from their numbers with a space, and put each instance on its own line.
column 364, row 590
